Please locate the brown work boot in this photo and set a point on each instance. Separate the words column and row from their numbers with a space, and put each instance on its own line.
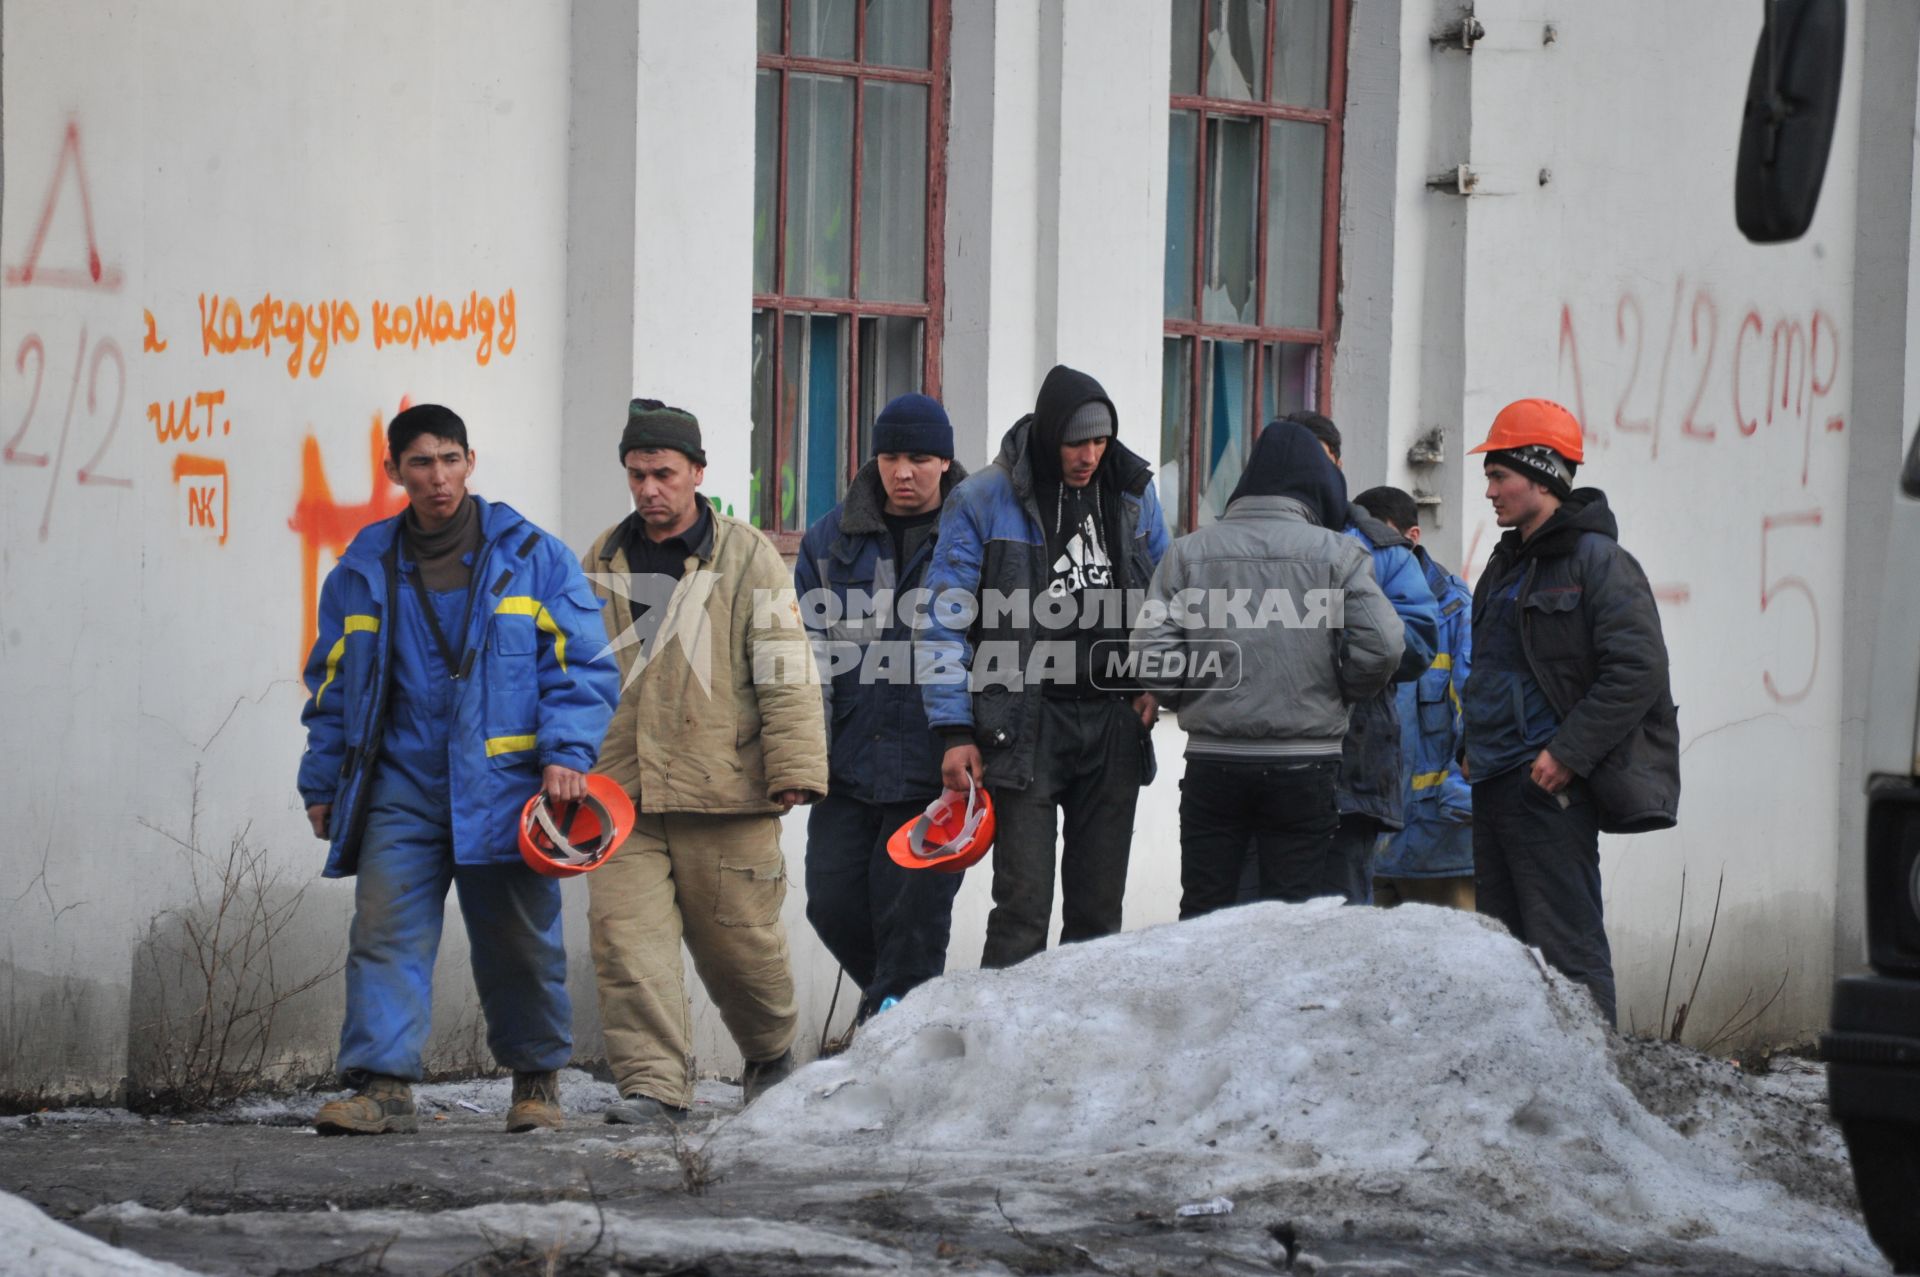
column 536, row 1103
column 382, row 1106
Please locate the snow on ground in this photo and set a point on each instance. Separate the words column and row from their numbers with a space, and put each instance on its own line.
column 1415, row 1071
column 39, row 1247
column 570, row 1229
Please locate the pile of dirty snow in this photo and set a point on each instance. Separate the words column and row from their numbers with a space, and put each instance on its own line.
column 38, row 1245
column 1414, row 1071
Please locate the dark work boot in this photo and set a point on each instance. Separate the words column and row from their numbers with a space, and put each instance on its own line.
column 382, row 1106
column 644, row 1110
column 759, row 1075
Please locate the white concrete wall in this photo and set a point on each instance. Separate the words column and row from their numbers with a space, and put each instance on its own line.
column 354, row 154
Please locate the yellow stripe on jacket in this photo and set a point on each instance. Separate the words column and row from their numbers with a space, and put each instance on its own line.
column 526, row 605
column 355, row 624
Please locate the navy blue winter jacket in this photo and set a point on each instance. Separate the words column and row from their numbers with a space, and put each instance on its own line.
column 879, row 749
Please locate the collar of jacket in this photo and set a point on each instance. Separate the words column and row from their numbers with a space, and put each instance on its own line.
column 1377, row 531
column 702, row 551
column 1128, row 468
column 1442, row 582
column 1583, row 512
column 1269, row 507
column 497, row 521
column 863, row 512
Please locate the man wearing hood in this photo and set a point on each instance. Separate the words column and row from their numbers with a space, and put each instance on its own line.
column 1570, row 723
column 1265, row 727
column 1371, row 804
column 857, row 572
column 1028, row 584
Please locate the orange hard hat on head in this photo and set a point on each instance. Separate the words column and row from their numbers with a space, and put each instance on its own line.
column 581, row 837
column 953, row 834
column 1538, row 423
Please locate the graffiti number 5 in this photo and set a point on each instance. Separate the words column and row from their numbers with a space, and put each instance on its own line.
column 1772, row 590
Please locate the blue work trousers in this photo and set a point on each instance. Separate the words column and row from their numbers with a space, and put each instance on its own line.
column 886, row 926
column 513, row 927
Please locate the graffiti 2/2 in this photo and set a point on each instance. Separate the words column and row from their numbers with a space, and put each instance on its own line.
column 90, row 274
column 1801, row 361
column 14, row 453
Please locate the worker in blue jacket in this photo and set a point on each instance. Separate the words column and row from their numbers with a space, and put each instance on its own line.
column 460, row 652
column 1431, row 859
column 1371, row 805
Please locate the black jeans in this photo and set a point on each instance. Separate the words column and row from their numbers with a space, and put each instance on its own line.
column 1287, row 809
column 1536, row 868
column 886, row 926
column 1087, row 761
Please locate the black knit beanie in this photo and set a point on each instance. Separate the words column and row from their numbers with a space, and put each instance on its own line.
column 1539, row 463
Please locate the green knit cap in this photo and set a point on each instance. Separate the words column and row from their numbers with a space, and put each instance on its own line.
column 652, row 424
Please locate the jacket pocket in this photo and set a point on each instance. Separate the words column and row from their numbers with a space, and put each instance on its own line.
column 996, row 717
column 1435, row 705
column 1554, row 599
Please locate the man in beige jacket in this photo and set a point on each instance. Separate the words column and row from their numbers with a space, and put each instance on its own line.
column 719, row 732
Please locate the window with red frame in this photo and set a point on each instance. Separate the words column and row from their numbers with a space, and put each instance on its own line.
column 1253, row 191
column 849, row 173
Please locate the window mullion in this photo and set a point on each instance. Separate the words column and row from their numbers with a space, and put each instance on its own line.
column 1206, row 52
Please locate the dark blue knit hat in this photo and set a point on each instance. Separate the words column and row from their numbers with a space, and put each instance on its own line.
column 913, row 423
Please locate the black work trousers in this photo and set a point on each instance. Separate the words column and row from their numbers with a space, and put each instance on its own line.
column 1087, row 764
column 1536, row 868
column 886, row 926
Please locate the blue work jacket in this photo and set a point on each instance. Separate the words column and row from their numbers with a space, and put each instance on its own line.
column 538, row 687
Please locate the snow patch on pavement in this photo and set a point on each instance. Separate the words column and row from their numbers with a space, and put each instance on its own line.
column 1414, row 1070
column 43, row 1247
column 573, row 1229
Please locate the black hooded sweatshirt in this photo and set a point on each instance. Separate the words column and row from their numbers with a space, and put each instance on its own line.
column 1082, row 525
column 1288, row 461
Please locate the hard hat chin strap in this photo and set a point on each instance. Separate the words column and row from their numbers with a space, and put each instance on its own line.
column 917, row 841
column 563, row 849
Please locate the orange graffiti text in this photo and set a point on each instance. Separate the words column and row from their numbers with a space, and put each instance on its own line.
column 227, row 329
column 201, row 497
column 177, row 421
column 435, row 321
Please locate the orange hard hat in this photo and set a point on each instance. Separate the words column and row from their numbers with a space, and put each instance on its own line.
column 1535, row 422
column 583, row 835
column 953, row 834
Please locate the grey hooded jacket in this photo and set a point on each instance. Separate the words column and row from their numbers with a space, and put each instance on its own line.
column 1298, row 602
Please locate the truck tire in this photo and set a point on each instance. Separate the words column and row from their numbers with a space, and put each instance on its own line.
column 1886, row 1172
